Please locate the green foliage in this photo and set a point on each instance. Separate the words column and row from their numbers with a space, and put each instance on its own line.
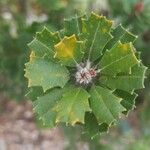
column 102, row 100
column 119, row 54
column 44, row 43
column 76, row 100
column 69, row 51
column 92, row 127
column 96, row 32
column 13, row 57
column 95, row 105
column 127, row 81
column 42, row 72
column 44, row 106
column 53, row 5
column 134, row 13
column 140, row 144
column 128, row 101
column 20, row 19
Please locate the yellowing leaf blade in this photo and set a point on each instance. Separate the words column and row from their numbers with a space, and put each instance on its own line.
column 68, row 51
column 73, row 105
column 118, row 59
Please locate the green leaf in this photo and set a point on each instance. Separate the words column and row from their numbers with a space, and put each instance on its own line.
column 48, row 38
column 34, row 92
column 96, row 33
column 68, row 51
column 120, row 58
column 126, row 81
column 91, row 127
column 39, row 49
column 128, row 100
column 105, row 105
column 44, row 105
column 43, row 43
column 120, row 34
column 42, row 72
column 73, row 26
column 73, row 105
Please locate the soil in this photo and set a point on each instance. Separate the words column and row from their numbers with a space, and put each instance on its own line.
column 18, row 130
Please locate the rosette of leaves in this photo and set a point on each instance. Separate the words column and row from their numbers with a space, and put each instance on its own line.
column 85, row 74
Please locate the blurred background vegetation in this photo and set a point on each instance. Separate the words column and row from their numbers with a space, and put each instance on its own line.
column 20, row 19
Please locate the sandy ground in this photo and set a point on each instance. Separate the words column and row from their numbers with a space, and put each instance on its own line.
column 19, row 132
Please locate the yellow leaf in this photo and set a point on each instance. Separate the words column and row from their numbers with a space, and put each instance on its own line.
column 66, row 48
column 32, row 56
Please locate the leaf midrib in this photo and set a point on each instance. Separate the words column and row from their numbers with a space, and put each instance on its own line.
column 120, row 59
column 127, row 76
column 104, row 104
column 73, row 103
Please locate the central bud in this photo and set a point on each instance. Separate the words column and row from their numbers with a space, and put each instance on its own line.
column 85, row 73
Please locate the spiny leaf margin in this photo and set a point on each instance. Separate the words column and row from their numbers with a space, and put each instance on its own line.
column 44, row 47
